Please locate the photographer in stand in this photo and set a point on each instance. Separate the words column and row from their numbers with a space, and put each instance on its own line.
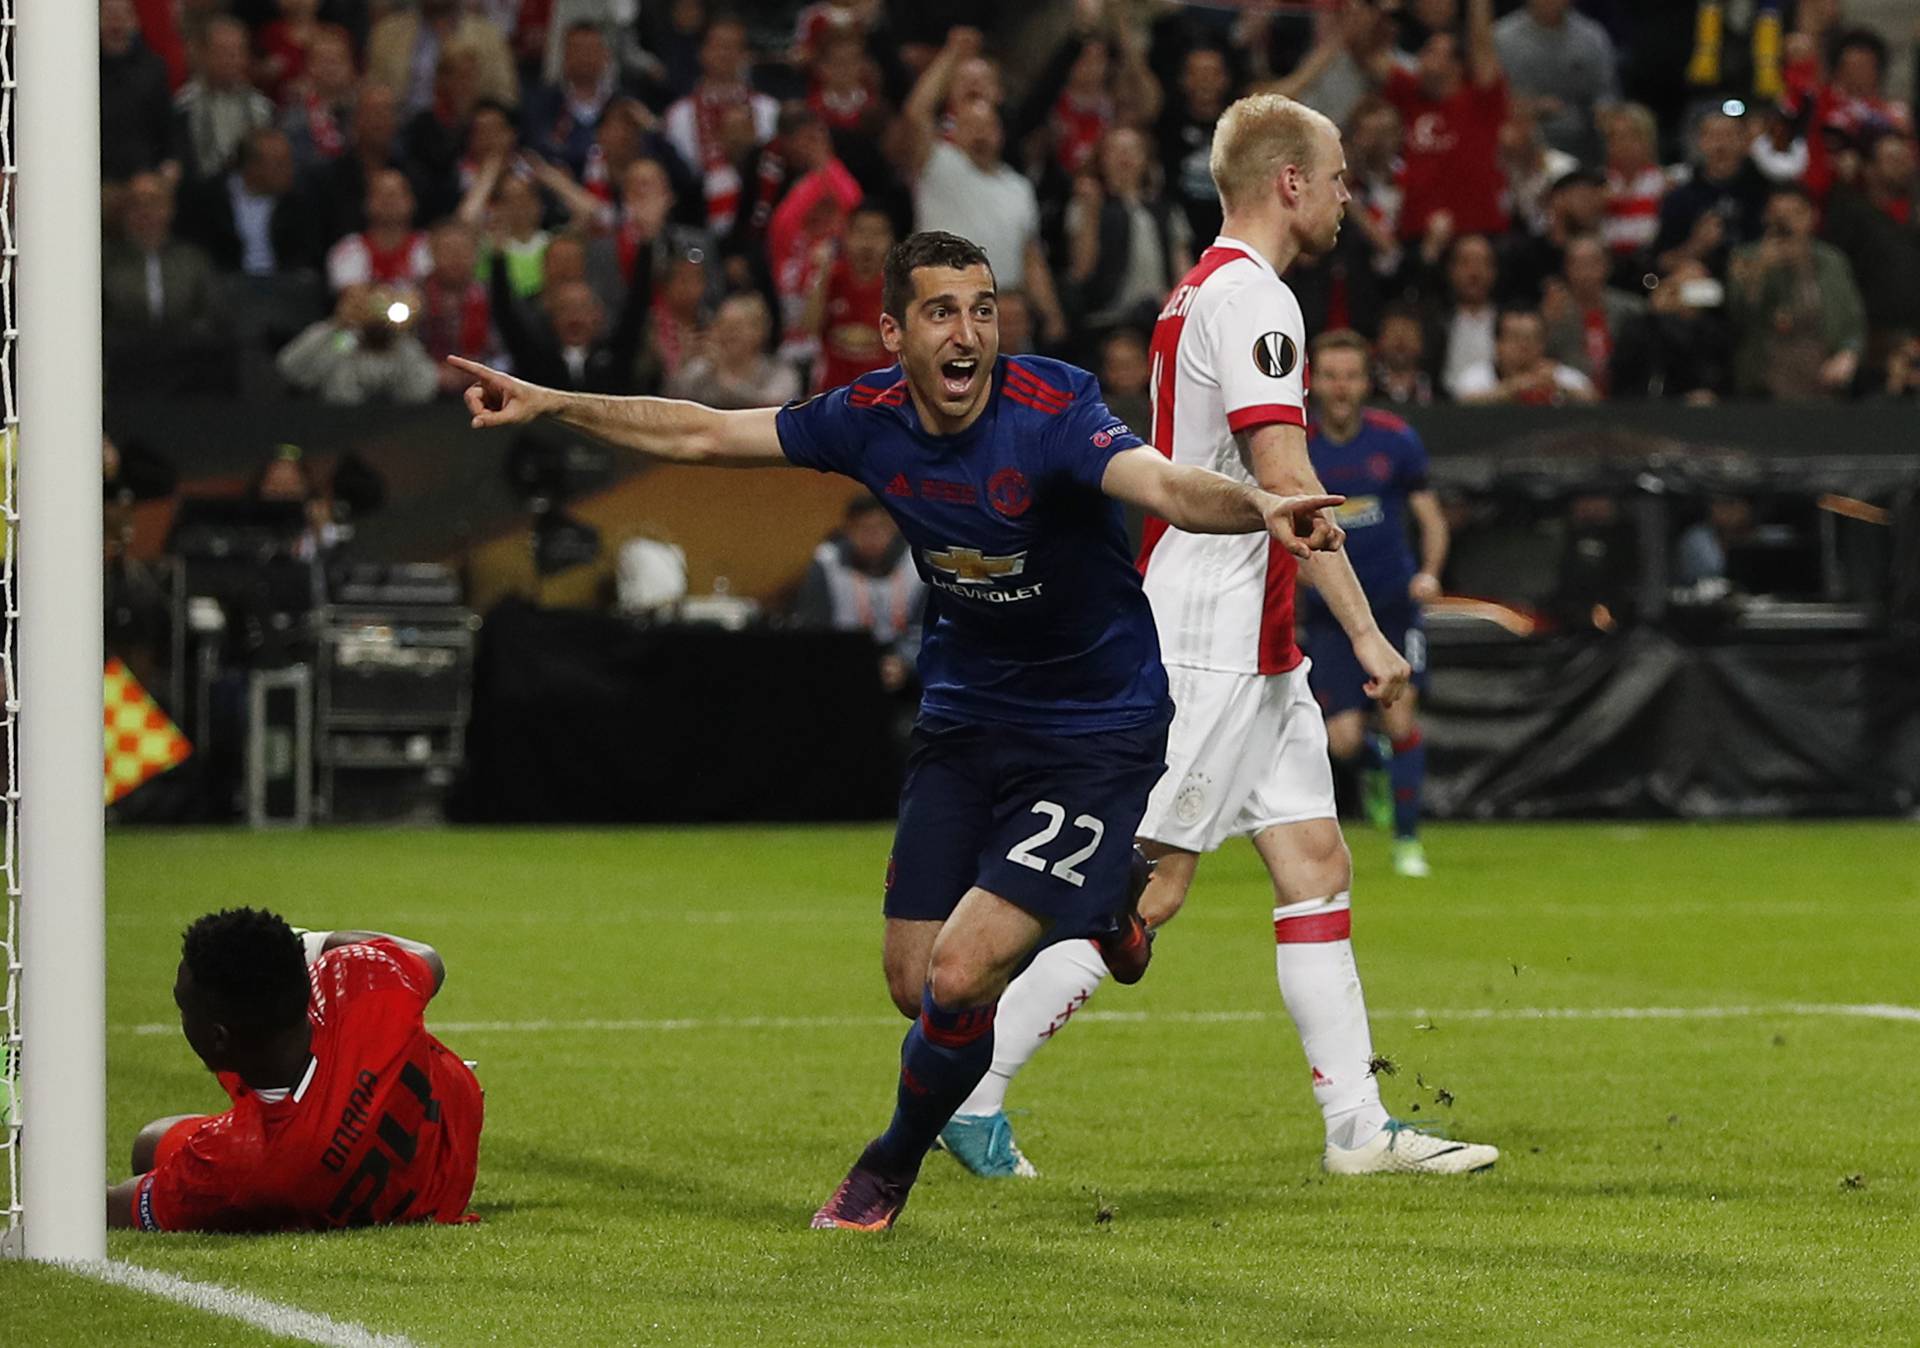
column 365, row 352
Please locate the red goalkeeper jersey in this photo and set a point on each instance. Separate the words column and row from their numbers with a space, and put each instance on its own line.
column 384, row 1127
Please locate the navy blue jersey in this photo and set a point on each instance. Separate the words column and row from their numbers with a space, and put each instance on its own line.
column 1376, row 471
column 1036, row 617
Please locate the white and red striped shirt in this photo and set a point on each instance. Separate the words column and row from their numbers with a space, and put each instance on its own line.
column 1229, row 354
column 358, row 260
column 1633, row 208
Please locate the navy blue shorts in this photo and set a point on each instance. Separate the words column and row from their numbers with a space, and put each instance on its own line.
column 1339, row 683
column 1044, row 821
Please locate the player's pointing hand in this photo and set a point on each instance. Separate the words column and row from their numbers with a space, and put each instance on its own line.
column 498, row 399
column 1326, row 535
column 1302, row 524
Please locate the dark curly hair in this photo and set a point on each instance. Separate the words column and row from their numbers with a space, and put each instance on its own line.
column 251, row 965
column 927, row 248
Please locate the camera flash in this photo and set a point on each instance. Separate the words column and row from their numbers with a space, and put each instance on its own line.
column 398, row 312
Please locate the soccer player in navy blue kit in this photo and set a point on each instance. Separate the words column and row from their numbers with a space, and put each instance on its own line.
column 1377, row 462
column 1043, row 722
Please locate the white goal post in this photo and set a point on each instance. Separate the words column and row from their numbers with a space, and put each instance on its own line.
column 55, row 1014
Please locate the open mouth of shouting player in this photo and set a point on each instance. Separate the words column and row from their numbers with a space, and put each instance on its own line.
column 948, row 355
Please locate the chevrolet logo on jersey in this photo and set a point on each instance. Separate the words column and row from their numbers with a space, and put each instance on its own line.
column 970, row 567
column 1360, row 512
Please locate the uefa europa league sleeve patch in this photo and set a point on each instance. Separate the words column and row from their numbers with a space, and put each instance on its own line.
column 1274, row 354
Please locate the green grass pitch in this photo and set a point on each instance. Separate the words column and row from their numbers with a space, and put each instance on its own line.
column 1740, row 1177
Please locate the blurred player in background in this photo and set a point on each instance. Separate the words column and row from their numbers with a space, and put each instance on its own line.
column 1247, row 753
column 346, row 1111
column 1377, row 462
column 1044, row 711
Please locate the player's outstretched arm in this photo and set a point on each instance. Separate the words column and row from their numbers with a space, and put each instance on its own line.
column 1204, row 502
column 661, row 428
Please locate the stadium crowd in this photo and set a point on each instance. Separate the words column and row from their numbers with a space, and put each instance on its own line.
column 1554, row 203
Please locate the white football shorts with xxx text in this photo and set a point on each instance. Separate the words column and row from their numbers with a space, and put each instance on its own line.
column 1246, row 751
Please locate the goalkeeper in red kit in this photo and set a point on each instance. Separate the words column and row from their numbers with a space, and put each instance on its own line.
column 346, row 1111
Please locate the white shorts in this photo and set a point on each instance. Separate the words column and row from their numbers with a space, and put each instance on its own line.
column 1246, row 751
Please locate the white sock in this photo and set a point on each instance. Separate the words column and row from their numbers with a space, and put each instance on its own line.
column 1321, row 987
column 1034, row 1008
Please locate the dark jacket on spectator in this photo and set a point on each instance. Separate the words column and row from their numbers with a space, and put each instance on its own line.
column 206, row 218
column 1184, row 144
column 1885, row 255
column 182, row 348
column 1740, row 200
column 186, row 289
column 550, row 129
column 1342, row 289
column 431, row 151
column 1097, row 292
column 136, row 109
column 340, row 190
column 538, row 357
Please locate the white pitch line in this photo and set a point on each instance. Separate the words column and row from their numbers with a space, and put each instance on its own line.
column 1435, row 1015
column 289, row 1322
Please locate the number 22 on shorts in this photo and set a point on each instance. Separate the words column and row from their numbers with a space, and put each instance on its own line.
column 1056, row 817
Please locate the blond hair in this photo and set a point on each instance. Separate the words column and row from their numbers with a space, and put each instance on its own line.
column 1640, row 117
column 1256, row 138
column 1341, row 339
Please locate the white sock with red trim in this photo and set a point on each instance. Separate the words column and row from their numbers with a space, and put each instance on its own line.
column 1032, row 1010
column 1321, row 987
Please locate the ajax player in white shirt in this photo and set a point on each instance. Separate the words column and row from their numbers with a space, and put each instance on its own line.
column 1247, row 755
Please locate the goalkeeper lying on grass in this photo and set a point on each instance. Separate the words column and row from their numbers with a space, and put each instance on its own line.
column 346, row 1112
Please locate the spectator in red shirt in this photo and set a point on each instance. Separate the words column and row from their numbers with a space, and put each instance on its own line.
column 844, row 82
column 283, row 47
column 346, row 1111
column 1844, row 112
column 389, row 250
column 813, row 213
column 716, row 125
column 1078, row 116
column 1453, row 108
column 1636, row 183
column 843, row 310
